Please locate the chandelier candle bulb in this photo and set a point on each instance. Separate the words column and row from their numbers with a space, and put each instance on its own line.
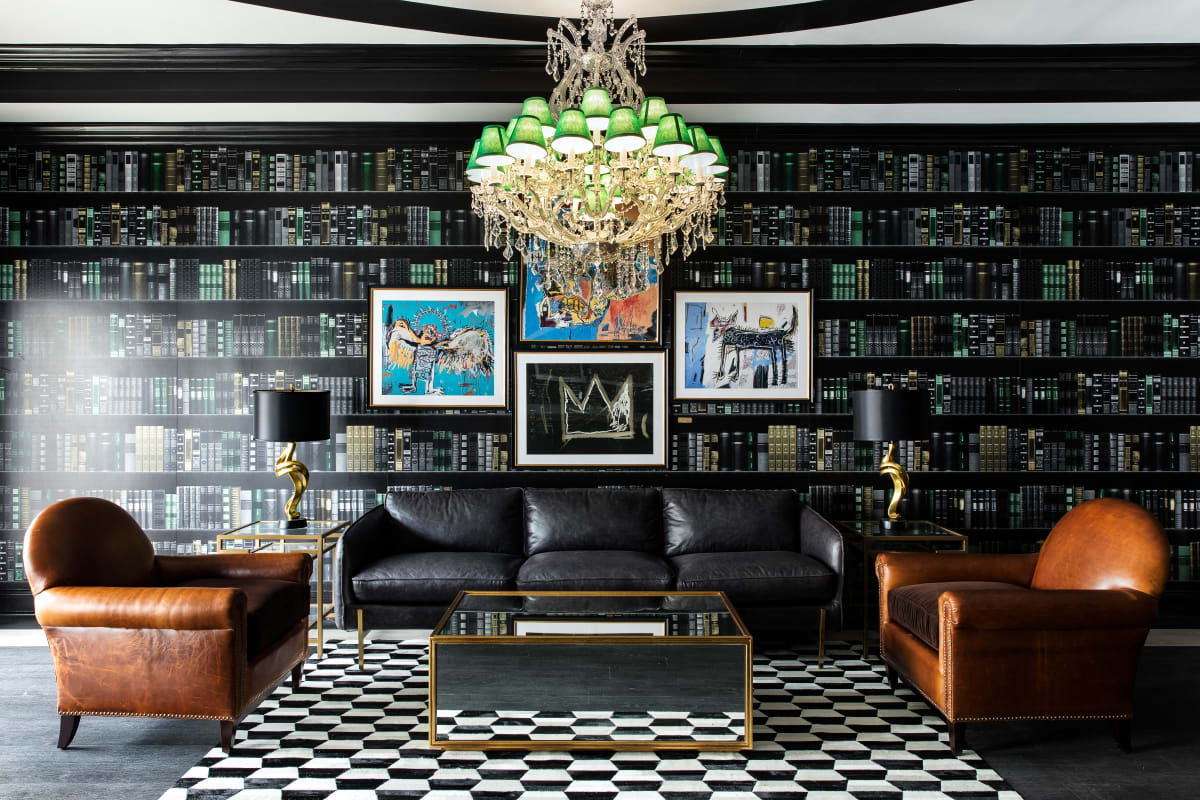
column 624, row 134
column 491, row 148
column 571, row 137
column 527, row 142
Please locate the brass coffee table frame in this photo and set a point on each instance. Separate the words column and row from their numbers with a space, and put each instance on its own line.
column 742, row 638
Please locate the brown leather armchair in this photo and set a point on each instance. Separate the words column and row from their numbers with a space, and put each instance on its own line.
column 1049, row 635
column 138, row 635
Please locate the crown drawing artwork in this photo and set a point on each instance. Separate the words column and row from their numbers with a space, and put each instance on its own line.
column 590, row 408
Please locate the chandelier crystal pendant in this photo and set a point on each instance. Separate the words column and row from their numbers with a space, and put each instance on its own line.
column 599, row 181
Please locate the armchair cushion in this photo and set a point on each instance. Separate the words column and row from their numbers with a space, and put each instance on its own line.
column 604, row 570
column 915, row 607
column 436, row 577
column 273, row 607
column 767, row 577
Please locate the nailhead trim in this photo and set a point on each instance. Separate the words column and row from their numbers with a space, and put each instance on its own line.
column 947, row 660
column 133, row 714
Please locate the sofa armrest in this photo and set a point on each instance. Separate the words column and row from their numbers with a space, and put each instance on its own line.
column 294, row 567
column 822, row 540
column 160, row 608
column 1047, row 610
column 368, row 539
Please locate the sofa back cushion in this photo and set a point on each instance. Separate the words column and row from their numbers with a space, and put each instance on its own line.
column 593, row 519
column 464, row 520
column 717, row 520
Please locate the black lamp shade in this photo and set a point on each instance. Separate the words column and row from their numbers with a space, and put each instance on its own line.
column 884, row 415
column 282, row 415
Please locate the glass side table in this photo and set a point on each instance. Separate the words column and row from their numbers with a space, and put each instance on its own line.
column 318, row 539
column 873, row 538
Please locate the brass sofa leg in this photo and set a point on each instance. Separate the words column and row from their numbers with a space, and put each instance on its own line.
column 228, row 731
column 821, row 638
column 360, row 639
column 67, row 725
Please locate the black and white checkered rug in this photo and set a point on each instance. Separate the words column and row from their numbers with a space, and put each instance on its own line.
column 831, row 732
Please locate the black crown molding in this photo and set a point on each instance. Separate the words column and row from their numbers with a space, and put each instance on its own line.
column 683, row 74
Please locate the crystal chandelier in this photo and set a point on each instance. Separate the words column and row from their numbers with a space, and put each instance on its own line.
column 600, row 181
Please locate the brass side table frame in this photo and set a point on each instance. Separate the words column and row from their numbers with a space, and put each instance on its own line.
column 869, row 548
column 319, row 544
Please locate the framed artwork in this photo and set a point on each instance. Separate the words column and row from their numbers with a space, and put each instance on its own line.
column 576, row 409
column 434, row 348
column 551, row 312
column 735, row 345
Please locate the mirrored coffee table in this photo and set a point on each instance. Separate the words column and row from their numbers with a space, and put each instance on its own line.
column 590, row 670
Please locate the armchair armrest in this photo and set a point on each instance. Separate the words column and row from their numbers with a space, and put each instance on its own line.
column 1047, row 610
column 294, row 567
column 161, row 608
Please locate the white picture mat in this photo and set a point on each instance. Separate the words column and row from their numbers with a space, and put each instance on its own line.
column 585, row 627
column 499, row 299
column 802, row 300
column 657, row 458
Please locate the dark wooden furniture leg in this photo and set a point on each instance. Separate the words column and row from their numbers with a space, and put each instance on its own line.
column 958, row 736
column 67, row 725
column 1124, row 733
column 891, row 676
column 296, row 670
column 228, row 729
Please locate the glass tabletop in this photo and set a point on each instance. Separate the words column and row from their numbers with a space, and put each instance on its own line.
column 516, row 614
column 912, row 528
column 264, row 528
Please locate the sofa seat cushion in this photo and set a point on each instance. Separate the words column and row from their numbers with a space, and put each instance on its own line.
column 757, row 577
column 273, row 608
column 602, row 570
column 416, row 578
column 915, row 607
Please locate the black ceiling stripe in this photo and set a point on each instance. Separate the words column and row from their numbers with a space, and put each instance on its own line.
column 670, row 28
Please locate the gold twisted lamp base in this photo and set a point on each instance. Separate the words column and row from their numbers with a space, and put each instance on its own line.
column 287, row 465
column 894, row 470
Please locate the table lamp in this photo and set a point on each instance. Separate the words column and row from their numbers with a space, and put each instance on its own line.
column 886, row 415
column 291, row 415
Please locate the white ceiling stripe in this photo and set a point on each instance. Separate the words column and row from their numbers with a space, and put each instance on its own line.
column 849, row 113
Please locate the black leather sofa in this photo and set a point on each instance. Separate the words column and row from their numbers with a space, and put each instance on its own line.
column 401, row 564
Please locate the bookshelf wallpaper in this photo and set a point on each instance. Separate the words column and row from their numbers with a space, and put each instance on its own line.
column 1044, row 289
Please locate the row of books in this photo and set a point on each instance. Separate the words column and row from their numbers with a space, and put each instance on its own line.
column 953, row 278
column 225, row 393
column 239, row 278
column 993, row 448
column 215, row 508
column 1078, row 393
column 957, row 225
column 154, row 335
column 386, row 449
column 1001, row 335
column 12, row 564
column 865, row 168
column 1185, row 562
column 234, row 169
column 162, row 448
column 211, row 226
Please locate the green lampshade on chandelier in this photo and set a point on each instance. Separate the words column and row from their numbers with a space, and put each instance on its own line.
column 598, row 171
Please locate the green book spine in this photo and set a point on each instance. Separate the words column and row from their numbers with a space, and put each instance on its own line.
column 856, row 227
column 1068, row 228
column 367, row 180
column 435, row 228
column 223, row 228
column 157, row 180
column 271, row 339
column 14, row 228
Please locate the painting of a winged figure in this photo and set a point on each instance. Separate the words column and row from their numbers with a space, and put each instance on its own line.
column 437, row 348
